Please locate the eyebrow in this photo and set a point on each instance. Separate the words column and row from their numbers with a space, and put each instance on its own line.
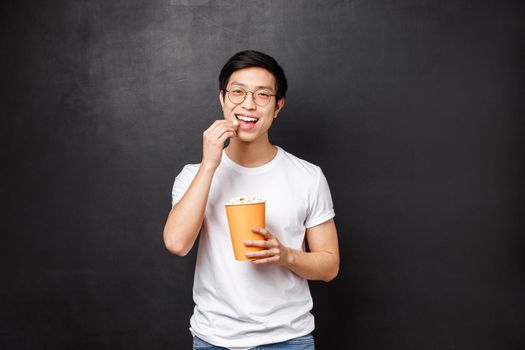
column 256, row 88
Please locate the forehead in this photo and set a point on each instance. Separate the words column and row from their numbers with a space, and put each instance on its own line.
column 253, row 78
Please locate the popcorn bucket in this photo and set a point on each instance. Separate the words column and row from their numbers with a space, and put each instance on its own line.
column 241, row 218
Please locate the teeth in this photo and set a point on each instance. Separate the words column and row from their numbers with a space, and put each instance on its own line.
column 246, row 119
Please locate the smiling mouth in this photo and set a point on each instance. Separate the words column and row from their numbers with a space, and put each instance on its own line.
column 246, row 119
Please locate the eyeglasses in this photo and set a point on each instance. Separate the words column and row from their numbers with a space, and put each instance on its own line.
column 261, row 97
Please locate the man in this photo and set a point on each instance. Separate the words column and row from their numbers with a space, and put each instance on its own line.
column 264, row 303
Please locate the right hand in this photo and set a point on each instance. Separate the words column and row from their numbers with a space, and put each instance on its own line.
column 213, row 141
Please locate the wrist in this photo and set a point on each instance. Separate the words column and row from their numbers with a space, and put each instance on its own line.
column 209, row 167
column 289, row 257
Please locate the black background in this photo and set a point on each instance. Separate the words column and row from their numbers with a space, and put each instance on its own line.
column 413, row 109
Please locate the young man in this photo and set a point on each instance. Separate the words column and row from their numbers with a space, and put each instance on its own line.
column 264, row 303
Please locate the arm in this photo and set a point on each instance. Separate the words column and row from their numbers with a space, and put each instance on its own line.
column 320, row 263
column 185, row 218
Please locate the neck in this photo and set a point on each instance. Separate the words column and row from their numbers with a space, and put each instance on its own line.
column 251, row 154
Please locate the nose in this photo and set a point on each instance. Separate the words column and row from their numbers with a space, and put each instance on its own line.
column 249, row 102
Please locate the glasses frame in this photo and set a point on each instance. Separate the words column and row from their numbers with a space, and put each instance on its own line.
column 246, row 95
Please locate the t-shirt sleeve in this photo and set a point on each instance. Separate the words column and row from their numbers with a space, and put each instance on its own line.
column 182, row 182
column 320, row 203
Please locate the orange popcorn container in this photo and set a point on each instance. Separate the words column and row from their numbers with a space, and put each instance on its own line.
column 241, row 219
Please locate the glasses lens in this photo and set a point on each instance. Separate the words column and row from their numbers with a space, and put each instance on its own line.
column 236, row 95
column 262, row 97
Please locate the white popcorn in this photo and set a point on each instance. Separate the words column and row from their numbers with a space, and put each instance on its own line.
column 245, row 200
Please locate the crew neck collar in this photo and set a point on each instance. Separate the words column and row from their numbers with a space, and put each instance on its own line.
column 255, row 170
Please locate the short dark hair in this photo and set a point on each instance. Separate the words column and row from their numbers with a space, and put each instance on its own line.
column 252, row 58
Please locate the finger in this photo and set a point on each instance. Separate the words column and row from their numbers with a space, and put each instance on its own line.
column 234, row 124
column 261, row 244
column 263, row 231
column 219, row 138
column 216, row 131
column 226, row 135
column 263, row 253
column 272, row 259
column 219, row 131
column 214, row 125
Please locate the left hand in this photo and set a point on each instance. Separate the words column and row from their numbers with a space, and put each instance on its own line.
column 273, row 252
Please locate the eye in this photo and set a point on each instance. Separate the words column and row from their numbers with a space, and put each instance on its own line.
column 237, row 92
column 263, row 95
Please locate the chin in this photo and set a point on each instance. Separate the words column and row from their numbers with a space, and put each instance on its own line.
column 246, row 138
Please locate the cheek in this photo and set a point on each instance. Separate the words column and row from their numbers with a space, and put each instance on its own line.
column 268, row 120
column 229, row 106
column 269, row 115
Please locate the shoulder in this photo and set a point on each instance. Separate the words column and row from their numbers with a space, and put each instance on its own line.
column 301, row 166
column 191, row 168
column 188, row 171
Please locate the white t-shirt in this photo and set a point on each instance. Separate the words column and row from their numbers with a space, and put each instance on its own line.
column 239, row 305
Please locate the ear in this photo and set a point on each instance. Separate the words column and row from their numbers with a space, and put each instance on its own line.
column 278, row 107
column 221, row 98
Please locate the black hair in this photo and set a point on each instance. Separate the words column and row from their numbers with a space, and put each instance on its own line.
column 252, row 58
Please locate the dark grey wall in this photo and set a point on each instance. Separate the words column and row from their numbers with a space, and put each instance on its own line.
column 414, row 109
